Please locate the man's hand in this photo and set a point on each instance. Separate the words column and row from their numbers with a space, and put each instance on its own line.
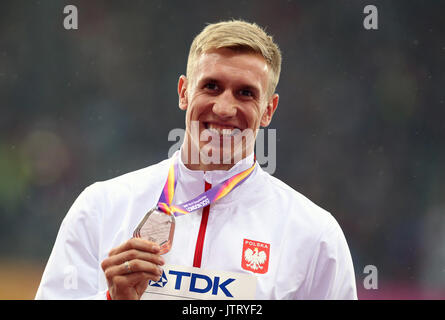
column 129, row 267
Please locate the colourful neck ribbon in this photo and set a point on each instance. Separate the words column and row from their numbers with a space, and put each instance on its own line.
column 201, row 201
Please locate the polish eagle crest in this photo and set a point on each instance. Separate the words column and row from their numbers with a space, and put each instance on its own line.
column 254, row 258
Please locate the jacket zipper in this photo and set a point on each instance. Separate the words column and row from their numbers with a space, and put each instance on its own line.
column 202, row 232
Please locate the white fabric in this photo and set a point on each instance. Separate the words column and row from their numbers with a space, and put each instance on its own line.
column 309, row 257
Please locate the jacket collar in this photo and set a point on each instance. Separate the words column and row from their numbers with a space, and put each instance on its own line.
column 213, row 177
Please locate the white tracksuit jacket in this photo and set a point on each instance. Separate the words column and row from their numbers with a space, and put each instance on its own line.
column 308, row 255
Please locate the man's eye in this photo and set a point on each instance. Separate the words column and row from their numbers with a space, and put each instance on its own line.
column 246, row 93
column 211, row 86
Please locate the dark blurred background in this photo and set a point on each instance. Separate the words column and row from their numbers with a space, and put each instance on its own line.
column 360, row 124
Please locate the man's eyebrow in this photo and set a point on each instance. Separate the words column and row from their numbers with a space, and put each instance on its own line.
column 207, row 80
column 244, row 86
column 251, row 87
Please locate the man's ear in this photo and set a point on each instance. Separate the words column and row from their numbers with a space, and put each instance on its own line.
column 270, row 110
column 182, row 92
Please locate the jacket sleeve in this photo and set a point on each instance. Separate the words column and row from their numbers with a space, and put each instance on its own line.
column 331, row 274
column 72, row 271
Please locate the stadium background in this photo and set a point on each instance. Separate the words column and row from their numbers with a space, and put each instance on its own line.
column 360, row 124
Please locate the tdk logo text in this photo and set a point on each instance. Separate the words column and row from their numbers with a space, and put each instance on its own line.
column 199, row 283
column 161, row 283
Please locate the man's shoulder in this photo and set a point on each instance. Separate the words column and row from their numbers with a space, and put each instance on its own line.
column 314, row 224
column 151, row 171
column 138, row 180
column 295, row 203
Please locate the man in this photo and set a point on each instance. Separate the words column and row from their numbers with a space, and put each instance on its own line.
column 263, row 229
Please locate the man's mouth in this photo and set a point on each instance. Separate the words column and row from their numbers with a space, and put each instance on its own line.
column 221, row 129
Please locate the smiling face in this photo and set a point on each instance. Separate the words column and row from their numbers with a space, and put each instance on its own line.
column 226, row 101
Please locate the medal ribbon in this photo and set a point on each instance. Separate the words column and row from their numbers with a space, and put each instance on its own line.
column 201, row 201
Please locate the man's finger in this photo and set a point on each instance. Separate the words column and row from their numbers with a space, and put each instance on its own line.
column 132, row 254
column 131, row 267
column 133, row 279
column 138, row 244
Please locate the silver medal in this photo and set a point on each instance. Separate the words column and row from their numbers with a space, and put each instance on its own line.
column 157, row 227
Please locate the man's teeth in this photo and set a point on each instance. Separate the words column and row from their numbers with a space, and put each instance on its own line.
column 221, row 131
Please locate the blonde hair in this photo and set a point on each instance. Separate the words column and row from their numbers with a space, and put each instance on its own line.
column 241, row 36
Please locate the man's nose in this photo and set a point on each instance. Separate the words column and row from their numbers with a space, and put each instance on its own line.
column 225, row 105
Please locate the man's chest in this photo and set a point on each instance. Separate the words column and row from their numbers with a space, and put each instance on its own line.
column 238, row 241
